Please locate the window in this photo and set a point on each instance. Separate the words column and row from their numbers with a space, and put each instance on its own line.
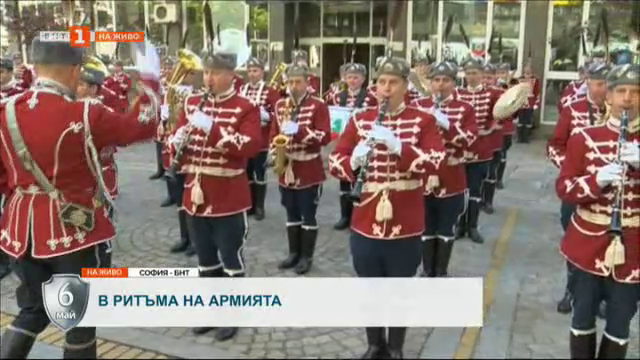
column 259, row 30
column 425, row 29
column 158, row 31
column 551, row 98
column 473, row 18
column 309, row 18
column 380, row 13
column 229, row 14
column 195, row 36
column 565, row 40
column 506, row 31
column 340, row 18
column 622, row 24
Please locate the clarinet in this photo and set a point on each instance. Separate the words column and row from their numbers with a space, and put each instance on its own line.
column 615, row 227
column 356, row 192
column 175, row 163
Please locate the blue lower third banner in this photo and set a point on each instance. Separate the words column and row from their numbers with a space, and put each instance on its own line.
column 72, row 301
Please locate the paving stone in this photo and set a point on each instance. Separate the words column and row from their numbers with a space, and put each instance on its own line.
column 530, row 328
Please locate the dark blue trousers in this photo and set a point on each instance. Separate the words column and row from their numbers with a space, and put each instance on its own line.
column 385, row 258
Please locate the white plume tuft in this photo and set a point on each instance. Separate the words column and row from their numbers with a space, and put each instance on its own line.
column 147, row 59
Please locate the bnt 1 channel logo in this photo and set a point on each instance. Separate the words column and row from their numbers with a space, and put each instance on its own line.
column 65, row 298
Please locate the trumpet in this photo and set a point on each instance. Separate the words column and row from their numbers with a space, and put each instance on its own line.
column 276, row 79
column 356, row 192
column 615, row 227
column 175, row 162
column 281, row 142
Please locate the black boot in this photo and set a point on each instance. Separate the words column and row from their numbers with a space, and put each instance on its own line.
column 474, row 214
column 396, row 342
column 610, row 349
column 309, row 237
column 170, row 200
column 183, row 244
column 501, row 167
column 190, row 250
column 346, row 209
column 429, row 252
column 226, row 333
column 489, row 190
column 582, row 346
column 565, row 304
column 526, row 134
column 463, row 226
column 217, row 273
column 160, row 172
column 377, row 343
column 252, row 211
column 445, row 247
column 261, row 193
column 88, row 352
column 294, row 234
column 15, row 345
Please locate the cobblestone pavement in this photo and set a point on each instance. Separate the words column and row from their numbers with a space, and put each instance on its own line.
column 524, row 272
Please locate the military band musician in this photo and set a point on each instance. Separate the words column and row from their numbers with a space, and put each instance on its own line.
column 120, row 83
column 504, row 81
column 525, row 115
column 81, row 231
column 599, row 174
column 496, row 143
column 585, row 111
column 480, row 154
column 446, row 190
column 265, row 97
column 394, row 155
column 354, row 96
column 219, row 131
column 301, row 130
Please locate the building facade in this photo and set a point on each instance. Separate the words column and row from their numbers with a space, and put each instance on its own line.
column 545, row 32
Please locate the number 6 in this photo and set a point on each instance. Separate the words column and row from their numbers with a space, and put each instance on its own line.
column 65, row 297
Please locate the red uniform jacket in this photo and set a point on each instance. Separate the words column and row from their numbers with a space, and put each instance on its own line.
column 586, row 240
column 26, row 75
column 120, row 83
column 451, row 179
column 534, row 97
column 59, row 148
column 579, row 114
column 215, row 162
column 482, row 100
column 335, row 99
column 108, row 97
column 12, row 88
column 238, row 81
column 568, row 92
column 496, row 138
column 264, row 96
column 305, row 166
column 394, row 182
column 314, row 85
column 164, row 130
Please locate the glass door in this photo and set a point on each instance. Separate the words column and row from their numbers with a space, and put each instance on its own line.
column 563, row 56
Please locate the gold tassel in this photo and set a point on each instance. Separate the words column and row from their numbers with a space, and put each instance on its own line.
column 384, row 210
column 615, row 254
column 197, row 196
column 289, row 178
column 433, row 181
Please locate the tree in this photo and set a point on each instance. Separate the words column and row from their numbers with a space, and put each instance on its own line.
column 29, row 23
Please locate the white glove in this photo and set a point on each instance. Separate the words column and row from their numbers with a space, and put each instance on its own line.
column 582, row 89
column 388, row 137
column 441, row 119
column 164, row 112
column 630, row 154
column 264, row 115
column 179, row 137
column 290, row 128
column 359, row 155
column 608, row 174
column 201, row 121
